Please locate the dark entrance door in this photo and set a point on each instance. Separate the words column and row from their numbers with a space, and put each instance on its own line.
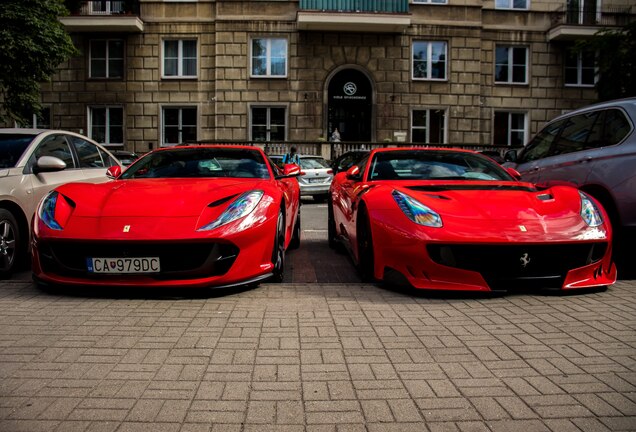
column 350, row 105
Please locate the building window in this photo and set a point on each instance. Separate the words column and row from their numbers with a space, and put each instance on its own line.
column 511, row 4
column 269, row 57
column 580, row 68
column 510, row 128
column 428, row 126
column 511, row 65
column 179, row 125
column 106, row 125
column 429, row 60
column 179, row 58
column 268, row 124
column 106, row 58
column 38, row 121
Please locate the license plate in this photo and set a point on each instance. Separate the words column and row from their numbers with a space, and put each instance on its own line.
column 123, row 265
column 316, row 180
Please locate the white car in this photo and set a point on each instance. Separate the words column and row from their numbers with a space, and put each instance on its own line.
column 317, row 176
column 33, row 162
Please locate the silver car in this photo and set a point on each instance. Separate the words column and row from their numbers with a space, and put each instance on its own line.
column 593, row 148
column 33, row 162
column 316, row 178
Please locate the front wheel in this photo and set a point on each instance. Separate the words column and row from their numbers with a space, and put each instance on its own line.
column 278, row 254
column 10, row 247
column 366, row 266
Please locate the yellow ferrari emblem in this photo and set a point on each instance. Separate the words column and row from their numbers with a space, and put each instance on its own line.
column 126, row 228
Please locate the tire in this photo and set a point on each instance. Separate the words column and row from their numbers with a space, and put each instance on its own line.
column 10, row 243
column 278, row 254
column 294, row 243
column 366, row 266
column 331, row 227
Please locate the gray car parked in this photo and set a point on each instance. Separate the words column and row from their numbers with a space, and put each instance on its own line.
column 595, row 149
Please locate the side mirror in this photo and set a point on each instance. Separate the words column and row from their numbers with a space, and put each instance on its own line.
column 513, row 172
column 290, row 170
column 48, row 164
column 113, row 172
column 510, row 156
column 354, row 174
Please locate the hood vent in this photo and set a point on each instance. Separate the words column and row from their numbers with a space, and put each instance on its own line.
column 222, row 201
column 486, row 187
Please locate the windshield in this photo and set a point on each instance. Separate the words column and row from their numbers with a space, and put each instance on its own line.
column 434, row 165
column 313, row 163
column 12, row 147
column 199, row 163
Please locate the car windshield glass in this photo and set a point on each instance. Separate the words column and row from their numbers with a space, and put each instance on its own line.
column 199, row 163
column 434, row 165
column 12, row 146
column 313, row 163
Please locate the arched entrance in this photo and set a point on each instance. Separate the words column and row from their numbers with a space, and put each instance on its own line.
column 350, row 103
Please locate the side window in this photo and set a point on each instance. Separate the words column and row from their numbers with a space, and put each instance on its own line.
column 539, row 147
column 88, row 154
column 616, row 127
column 57, row 146
column 575, row 134
column 107, row 158
column 363, row 164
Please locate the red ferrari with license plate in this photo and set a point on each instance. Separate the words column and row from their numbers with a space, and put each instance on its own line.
column 187, row 216
column 447, row 219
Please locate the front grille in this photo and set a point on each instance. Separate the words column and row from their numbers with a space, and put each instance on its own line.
column 183, row 260
column 524, row 266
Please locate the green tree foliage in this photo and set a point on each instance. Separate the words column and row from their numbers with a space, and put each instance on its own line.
column 33, row 44
column 616, row 59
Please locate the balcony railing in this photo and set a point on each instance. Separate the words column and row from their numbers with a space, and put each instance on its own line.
column 573, row 22
column 348, row 6
column 103, row 7
column 575, row 15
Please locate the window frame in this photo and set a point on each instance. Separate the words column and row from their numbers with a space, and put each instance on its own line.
column 510, row 65
column 162, row 126
column 429, row 62
column 107, row 125
column 431, row 2
column 35, row 120
column 579, row 69
column 427, row 127
column 511, row 6
column 268, row 56
column 107, row 41
column 509, row 129
column 180, row 58
column 268, row 123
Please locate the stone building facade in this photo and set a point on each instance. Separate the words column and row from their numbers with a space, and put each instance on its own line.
column 471, row 72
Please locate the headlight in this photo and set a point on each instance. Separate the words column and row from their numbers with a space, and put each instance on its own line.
column 240, row 207
column 589, row 212
column 416, row 211
column 55, row 210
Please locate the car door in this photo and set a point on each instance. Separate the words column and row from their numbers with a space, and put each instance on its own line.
column 55, row 145
column 345, row 201
column 291, row 191
column 575, row 149
column 531, row 160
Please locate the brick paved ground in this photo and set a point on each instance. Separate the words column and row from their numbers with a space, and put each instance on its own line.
column 318, row 357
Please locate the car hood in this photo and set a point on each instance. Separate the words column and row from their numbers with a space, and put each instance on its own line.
column 496, row 200
column 153, row 197
column 504, row 210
